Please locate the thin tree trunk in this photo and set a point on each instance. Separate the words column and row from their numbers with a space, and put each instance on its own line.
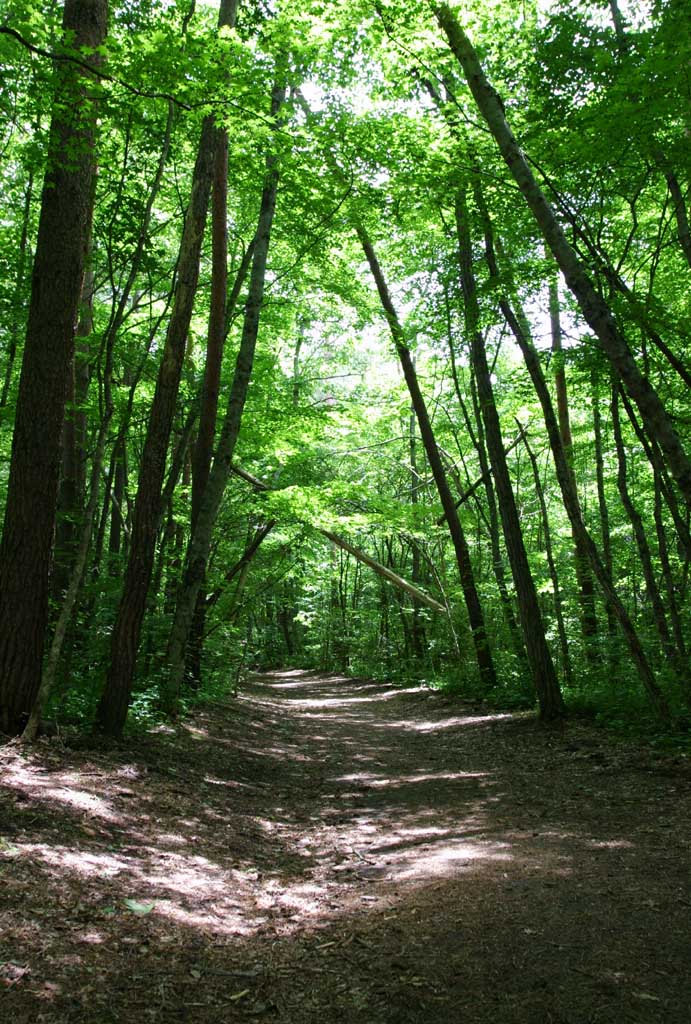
column 601, row 496
column 483, row 652
column 680, row 209
column 63, row 234
column 657, row 462
column 485, row 479
column 672, row 600
column 203, row 449
column 116, row 512
column 636, row 520
column 417, row 629
column 586, row 588
column 70, row 494
column 497, row 559
column 112, row 709
column 220, row 312
column 542, row 670
column 15, row 328
column 521, row 331
column 74, row 585
column 554, row 576
column 658, row 423
column 200, row 540
column 245, row 558
column 380, row 569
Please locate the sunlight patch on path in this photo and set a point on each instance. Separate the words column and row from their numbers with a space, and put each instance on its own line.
column 67, row 788
column 437, row 725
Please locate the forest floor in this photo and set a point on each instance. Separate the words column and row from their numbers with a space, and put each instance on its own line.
column 324, row 850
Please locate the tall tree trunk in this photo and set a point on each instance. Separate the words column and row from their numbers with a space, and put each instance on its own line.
column 112, row 709
column 539, row 657
column 493, row 515
column 636, row 520
column 15, row 328
column 220, row 311
column 554, row 576
column 521, row 331
column 58, row 271
column 486, row 480
column 70, row 505
column 417, row 629
column 681, row 213
column 586, row 588
column 670, row 588
column 657, row 421
column 601, row 496
column 200, row 540
column 657, row 462
column 203, row 448
column 117, row 520
column 483, row 652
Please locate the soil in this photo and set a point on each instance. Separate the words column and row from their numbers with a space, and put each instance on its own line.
column 320, row 849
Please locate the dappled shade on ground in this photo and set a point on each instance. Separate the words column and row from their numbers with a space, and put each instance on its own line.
column 323, row 849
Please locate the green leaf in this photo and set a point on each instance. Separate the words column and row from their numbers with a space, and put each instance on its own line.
column 139, row 908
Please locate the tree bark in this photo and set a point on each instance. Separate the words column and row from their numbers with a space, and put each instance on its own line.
column 658, row 423
column 15, row 328
column 542, row 670
column 221, row 310
column 680, row 209
column 58, row 271
column 200, row 540
column 549, row 551
column 483, row 652
column 112, row 709
column 586, row 588
column 417, row 629
column 70, row 504
column 521, row 331
column 636, row 520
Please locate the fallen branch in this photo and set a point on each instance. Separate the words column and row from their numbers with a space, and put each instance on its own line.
column 381, row 570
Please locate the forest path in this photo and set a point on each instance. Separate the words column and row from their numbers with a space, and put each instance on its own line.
column 328, row 850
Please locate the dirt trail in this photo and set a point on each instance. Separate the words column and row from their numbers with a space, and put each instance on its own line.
column 328, row 850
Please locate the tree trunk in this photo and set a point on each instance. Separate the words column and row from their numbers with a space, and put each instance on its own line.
column 63, row 234
column 493, row 515
column 601, row 496
column 558, row 602
column 586, row 588
column 112, row 709
column 521, row 331
column 636, row 520
column 658, row 423
column 680, row 210
column 670, row 588
column 200, row 540
column 248, row 554
column 417, row 629
column 219, row 315
column 483, row 652
column 485, row 479
column 657, row 462
column 70, row 505
column 539, row 657
column 117, row 521
column 15, row 328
